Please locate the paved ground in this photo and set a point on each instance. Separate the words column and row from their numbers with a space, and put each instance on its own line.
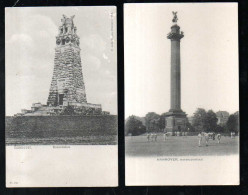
column 179, row 146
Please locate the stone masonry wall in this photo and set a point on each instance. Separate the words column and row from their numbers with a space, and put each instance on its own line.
column 67, row 69
column 60, row 126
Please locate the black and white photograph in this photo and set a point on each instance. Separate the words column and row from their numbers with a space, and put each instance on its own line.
column 61, row 96
column 181, row 94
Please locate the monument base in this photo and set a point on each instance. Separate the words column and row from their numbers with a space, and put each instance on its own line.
column 74, row 108
column 176, row 122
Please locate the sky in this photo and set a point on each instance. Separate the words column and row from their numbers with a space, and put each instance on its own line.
column 209, row 57
column 30, row 49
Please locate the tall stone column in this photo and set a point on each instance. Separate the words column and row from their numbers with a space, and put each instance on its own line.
column 175, row 118
column 175, row 37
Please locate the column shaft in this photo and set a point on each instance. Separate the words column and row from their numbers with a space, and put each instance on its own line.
column 175, row 75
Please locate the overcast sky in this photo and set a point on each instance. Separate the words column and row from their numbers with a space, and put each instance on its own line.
column 30, row 49
column 209, row 57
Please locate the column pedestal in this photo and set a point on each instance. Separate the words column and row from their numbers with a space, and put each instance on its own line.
column 176, row 122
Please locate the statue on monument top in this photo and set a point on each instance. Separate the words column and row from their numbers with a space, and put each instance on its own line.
column 175, row 19
column 66, row 20
column 67, row 26
column 175, row 33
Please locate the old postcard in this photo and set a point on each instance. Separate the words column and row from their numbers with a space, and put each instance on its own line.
column 181, row 94
column 61, row 96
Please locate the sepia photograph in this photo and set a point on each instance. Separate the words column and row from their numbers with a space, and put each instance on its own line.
column 181, row 94
column 61, row 96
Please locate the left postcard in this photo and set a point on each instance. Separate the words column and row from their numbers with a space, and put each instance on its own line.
column 61, row 121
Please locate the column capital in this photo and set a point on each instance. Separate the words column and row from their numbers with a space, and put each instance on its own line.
column 175, row 33
column 175, row 36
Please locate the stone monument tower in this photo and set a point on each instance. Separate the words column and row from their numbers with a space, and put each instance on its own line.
column 67, row 86
column 67, row 90
column 175, row 118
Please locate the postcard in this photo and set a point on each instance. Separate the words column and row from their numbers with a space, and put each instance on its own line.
column 61, row 97
column 181, row 94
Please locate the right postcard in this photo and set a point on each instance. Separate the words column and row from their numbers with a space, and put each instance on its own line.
column 181, row 94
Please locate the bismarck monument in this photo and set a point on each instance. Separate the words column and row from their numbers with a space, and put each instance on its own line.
column 175, row 119
column 67, row 92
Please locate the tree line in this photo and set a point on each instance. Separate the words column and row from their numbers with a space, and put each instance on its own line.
column 202, row 121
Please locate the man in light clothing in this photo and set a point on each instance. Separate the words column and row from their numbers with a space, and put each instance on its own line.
column 148, row 137
column 206, row 138
column 199, row 139
column 155, row 137
column 218, row 137
column 151, row 136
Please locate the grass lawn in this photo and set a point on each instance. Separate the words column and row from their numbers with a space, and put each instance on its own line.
column 179, row 146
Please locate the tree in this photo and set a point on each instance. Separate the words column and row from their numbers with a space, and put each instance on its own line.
column 220, row 129
column 151, row 118
column 236, row 114
column 232, row 123
column 204, row 121
column 210, row 121
column 162, row 121
column 134, row 126
column 189, row 127
column 198, row 122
